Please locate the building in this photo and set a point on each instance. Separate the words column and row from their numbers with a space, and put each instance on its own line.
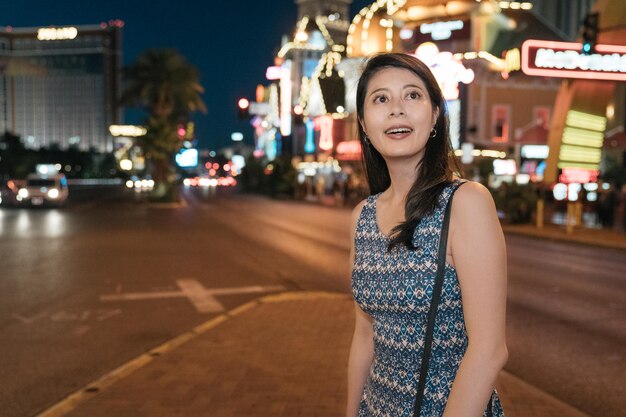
column 59, row 86
column 566, row 15
column 496, row 111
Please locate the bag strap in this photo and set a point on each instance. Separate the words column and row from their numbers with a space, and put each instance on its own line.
column 432, row 312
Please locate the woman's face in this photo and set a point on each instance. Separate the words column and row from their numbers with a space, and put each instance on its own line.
column 397, row 114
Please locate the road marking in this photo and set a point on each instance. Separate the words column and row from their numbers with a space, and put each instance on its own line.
column 204, row 302
column 29, row 320
column 203, row 299
column 64, row 316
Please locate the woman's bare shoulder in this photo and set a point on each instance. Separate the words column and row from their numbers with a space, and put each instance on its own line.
column 473, row 198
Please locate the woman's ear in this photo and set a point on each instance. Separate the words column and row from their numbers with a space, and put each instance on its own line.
column 362, row 126
column 435, row 116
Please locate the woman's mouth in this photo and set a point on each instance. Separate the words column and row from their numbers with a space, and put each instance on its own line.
column 398, row 132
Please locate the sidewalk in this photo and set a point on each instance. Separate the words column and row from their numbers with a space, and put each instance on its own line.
column 279, row 356
column 597, row 237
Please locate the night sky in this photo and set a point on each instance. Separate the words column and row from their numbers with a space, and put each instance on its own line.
column 231, row 42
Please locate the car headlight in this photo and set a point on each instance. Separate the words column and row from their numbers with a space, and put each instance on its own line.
column 23, row 192
column 53, row 193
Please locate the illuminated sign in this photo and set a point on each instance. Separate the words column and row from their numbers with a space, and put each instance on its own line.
column 578, row 175
column 504, row 167
column 582, row 140
column 441, row 30
column 559, row 192
column 448, row 70
column 350, row 150
column 512, row 62
column 127, row 130
column 565, row 60
column 309, row 146
column 56, row 34
column 325, row 125
column 285, row 99
column 273, row 73
column 535, row 151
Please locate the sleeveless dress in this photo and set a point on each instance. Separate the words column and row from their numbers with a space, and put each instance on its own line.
column 395, row 289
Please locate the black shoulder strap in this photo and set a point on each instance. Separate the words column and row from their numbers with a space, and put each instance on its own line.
column 432, row 312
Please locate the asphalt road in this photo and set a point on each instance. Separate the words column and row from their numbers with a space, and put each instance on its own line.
column 89, row 287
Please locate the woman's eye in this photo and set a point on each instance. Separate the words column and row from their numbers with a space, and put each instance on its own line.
column 413, row 95
column 380, row 99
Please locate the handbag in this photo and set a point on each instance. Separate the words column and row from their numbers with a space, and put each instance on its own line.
column 432, row 312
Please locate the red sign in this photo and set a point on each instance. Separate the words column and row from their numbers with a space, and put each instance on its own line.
column 349, row 150
column 565, row 60
column 578, row 175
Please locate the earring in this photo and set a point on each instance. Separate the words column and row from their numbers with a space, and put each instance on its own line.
column 433, row 132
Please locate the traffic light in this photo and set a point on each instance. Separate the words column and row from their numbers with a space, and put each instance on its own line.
column 244, row 108
column 590, row 32
column 181, row 131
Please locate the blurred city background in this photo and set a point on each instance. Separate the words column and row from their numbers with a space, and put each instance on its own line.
column 163, row 164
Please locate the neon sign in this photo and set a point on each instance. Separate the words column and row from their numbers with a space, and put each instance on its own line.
column 578, row 175
column 564, row 60
column 441, row 30
column 309, row 146
column 582, row 140
column 56, row 34
column 285, row 99
column 512, row 62
column 448, row 70
column 325, row 125
column 349, row 150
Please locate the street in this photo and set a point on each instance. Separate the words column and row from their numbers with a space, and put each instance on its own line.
column 87, row 288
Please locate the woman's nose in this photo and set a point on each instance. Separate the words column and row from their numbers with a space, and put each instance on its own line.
column 397, row 108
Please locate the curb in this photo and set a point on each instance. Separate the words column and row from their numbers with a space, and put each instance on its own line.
column 521, row 402
column 575, row 239
column 90, row 390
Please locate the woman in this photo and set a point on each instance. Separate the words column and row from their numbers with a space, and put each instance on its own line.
column 404, row 134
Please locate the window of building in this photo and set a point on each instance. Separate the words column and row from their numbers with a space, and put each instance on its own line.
column 500, row 122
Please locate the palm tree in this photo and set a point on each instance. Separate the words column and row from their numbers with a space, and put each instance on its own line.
column 167, row 87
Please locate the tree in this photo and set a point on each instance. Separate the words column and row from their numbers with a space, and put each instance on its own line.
column 167, row 87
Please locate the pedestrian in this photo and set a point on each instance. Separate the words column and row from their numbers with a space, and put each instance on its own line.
column 403, row 130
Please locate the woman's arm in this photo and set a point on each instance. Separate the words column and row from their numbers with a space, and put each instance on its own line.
column 360, row 361
column 478, row 250
column 362, row 350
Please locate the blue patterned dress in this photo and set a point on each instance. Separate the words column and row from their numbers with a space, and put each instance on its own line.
column 395, row 289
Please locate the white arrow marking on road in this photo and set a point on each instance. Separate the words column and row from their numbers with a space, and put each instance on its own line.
column 202, row 298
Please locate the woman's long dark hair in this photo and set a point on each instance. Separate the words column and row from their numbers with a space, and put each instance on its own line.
column 438, row 164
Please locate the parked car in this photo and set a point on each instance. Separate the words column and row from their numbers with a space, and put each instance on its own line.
column 44, row 190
